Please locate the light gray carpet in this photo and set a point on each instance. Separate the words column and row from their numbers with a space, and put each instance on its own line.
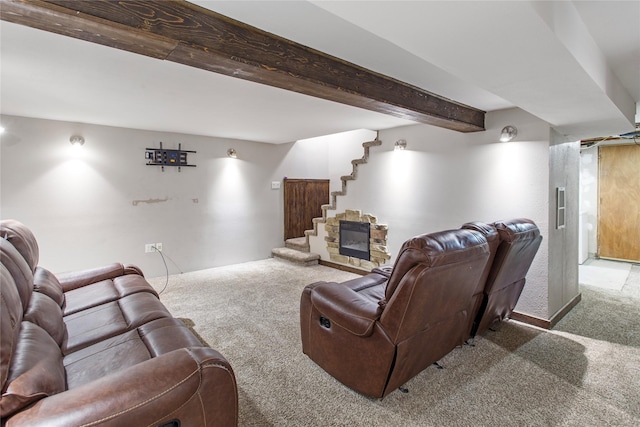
column 584, row 372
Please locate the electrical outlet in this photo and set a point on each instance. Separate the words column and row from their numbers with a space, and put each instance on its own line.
column 159, row 247
column 148, row 247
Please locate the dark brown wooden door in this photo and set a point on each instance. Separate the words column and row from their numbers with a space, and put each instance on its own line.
column 619, row 210
column 303, row 199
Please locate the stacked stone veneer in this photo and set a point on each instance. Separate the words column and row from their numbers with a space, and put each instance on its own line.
column 378, row 252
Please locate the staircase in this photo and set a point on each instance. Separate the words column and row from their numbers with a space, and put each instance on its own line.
column 297, row 250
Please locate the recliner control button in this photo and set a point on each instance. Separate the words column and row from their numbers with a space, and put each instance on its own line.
column 325, row 322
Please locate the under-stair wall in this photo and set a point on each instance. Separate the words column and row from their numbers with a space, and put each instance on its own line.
column 318, row 236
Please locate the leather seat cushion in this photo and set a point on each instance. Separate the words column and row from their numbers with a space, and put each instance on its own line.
column 104, row 291
column 128, row 349
column 89, row 326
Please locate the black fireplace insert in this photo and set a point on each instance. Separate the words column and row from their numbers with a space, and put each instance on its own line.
column 354, row 239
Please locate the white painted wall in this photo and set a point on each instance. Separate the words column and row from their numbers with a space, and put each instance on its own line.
column 589, row 195
column 81, row 205
column 446, row 178
column 325, row 157
column 102, row 203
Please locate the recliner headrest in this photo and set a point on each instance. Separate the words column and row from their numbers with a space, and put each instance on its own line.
column 517, row 229
column 20, row 271
column 519, row 242
column 435, row 249
column 22, row 239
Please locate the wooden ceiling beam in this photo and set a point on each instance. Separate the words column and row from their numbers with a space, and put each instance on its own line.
column 185, row 33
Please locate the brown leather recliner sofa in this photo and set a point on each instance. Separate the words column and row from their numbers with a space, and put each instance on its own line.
column 97, row 347
column 376, row 332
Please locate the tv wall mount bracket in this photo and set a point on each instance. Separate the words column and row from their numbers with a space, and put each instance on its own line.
column 166, row 157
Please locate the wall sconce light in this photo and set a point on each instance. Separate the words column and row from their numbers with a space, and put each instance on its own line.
column 401, row 144
column 76, row 141
column 231, row 152
column 508, row 133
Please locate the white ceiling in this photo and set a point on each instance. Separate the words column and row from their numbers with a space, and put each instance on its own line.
column 573, row 64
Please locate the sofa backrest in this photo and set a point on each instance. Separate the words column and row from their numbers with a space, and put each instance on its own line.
column 31, row 365
column 19, row 270
column 11, row 317
column 493, row 239
column 519, row 242
column 37, row 307
column 433, row 278
column 20, row 255
column 22, row 239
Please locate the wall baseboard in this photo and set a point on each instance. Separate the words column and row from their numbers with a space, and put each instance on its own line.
column 343, row 267
column 543, row 323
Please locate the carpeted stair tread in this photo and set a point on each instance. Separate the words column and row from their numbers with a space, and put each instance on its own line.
column 298, row 243
column 304, row 258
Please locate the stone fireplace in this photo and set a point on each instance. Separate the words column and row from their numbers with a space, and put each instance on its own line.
column 357, row 239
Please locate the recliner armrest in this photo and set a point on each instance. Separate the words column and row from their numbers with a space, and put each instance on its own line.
column 345, row 307
column 190, row 384
column 384, row 270
column 360, row 284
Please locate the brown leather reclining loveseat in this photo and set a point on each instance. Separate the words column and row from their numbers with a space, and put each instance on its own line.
column 376, row 332
column 98, row 347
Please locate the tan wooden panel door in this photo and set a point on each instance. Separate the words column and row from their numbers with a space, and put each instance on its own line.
column 619, row 216
column 303, row 199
